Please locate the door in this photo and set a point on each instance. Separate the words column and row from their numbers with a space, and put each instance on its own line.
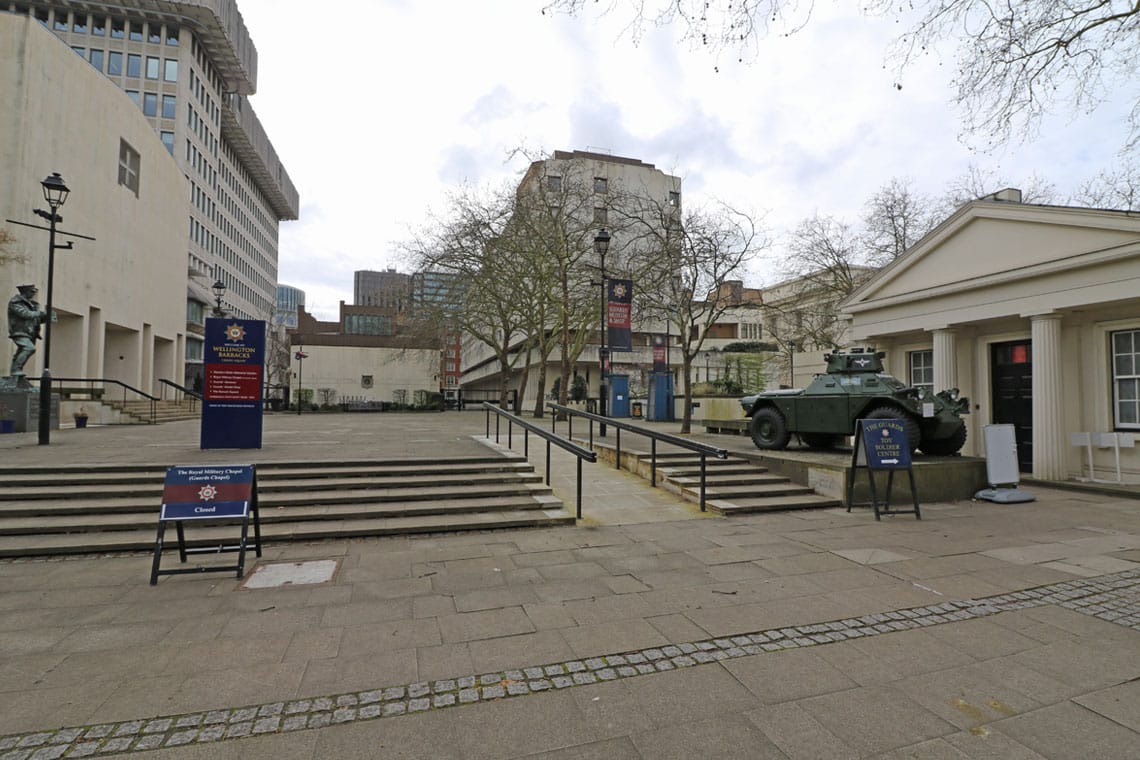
column 1011, row 368
column 619, row 395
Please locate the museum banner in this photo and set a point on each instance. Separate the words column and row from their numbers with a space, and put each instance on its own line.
column 234, row 361
column 660, row 362
column 619, row 308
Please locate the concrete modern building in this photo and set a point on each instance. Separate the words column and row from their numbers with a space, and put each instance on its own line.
column 1033, row 312
column 189, row 67
column 119, row 300
column 591, row 191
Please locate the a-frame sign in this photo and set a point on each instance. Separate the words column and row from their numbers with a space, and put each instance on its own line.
column 881, row 444
column 203, row 493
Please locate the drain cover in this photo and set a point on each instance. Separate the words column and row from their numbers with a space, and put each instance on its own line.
column 277, row 574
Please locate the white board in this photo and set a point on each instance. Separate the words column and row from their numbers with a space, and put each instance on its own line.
column 1001, row 455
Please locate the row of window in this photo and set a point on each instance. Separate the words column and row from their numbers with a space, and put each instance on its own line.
column 149, row 103
column 111, row 64
column 103, row 26
column 601, row 186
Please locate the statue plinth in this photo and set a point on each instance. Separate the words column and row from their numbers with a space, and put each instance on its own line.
column 20, row 402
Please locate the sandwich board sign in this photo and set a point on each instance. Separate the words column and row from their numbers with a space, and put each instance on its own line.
column 204, row 493
column 882, row 444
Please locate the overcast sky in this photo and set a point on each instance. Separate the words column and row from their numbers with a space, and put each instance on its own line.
column 377, row 107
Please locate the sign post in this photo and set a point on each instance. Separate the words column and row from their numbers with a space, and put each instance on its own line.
column 203, row 493
column 234, row 361
column 882, row 445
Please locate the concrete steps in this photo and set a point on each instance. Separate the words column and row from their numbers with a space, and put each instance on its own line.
column 138, row 412
column 74, row 510
column 733, row 485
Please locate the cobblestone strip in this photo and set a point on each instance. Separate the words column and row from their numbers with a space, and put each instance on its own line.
column 1114, row 598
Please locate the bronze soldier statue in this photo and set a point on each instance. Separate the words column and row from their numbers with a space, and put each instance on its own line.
column 24, row 319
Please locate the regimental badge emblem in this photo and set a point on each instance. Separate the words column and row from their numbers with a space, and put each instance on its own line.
column 235, row 332
column 862, row 362
column 207, row 493
column 619, row 290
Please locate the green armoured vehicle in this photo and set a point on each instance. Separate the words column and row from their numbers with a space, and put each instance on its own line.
column 856, row 387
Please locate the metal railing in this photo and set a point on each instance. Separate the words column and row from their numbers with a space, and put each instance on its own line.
column 703, row 449
column 193, row 395
column 101, row 393
column 550, row 438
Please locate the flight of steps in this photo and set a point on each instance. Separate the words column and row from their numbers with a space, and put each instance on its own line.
column 734, row 485
column 138, row 412
column 88, row 509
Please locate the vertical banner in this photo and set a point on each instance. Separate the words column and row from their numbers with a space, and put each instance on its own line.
column 620, row 297
column 234, row 370
column 659, row 362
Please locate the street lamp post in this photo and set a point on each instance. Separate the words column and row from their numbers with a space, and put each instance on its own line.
column 301, row 356
column 791, row 364
column 219, row 289
column 601, row 245
column 55, row 193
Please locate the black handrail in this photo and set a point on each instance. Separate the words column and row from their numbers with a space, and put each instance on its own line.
column 92, row 380
column 195, row 397
column 528, row 428
column 654, row 436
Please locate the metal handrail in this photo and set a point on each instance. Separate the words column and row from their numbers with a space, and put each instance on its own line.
column 550, row 438
column 194, row 396
column 703, row 449
column 104, row 380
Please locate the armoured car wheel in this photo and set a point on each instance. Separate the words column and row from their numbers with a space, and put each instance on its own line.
column 769, row 429
column 819, row 440
column 944, row 447
column 913, row 432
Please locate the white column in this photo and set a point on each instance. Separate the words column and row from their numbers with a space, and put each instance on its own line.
column 945, row 360
column 1048, row 406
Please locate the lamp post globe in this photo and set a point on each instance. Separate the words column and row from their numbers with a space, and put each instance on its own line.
column 55, row 193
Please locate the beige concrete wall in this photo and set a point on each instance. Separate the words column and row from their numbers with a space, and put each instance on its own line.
column 342, row 367
column 124, row 293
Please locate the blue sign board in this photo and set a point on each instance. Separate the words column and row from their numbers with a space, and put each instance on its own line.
column 207, row 492
column 234, row 362
column 884, row 444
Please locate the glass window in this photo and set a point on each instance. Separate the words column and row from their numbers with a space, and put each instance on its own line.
column 168, row 141
column 921, row 369
column 134, row 65
column 1126, row 379
column 168, row 104
column 154, row 33
column 194, row 347
column 79, row 23
column 118, row 28
column 136, row 96
column 674, row 198
column 80, row 51
column 554, row 184
column 96, row 58
column 99, row 26
column 114, row 63
column 172, row 36
column 170, row 72
column 150, row 103
column 599, row 215
column 135, row 31
column 600, row 184
column 151, row 67
column 128, row 167
column 42, row 15
column 61, row 21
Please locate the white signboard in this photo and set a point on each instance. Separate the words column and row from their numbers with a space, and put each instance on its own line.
column 1001, row 455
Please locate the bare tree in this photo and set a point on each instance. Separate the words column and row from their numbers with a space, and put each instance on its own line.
column 976, row 183
column 894, row 219
column 1016, row 61
column 678, row 255
column 1112, row 189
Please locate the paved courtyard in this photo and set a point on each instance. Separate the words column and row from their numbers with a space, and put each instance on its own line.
column 648, row 631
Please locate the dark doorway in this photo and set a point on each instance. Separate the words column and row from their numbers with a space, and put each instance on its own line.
column 1011, row 368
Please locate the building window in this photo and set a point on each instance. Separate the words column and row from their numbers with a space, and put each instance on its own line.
column 1126, row 379
column 193, row 350
column 554, row 184
column 921, row 368
column 168, row 141
column 168, row 105
column 118, row 28
column 128, row 167
column 601, row 184
column 150, row 103
column 154, row 33
column 79, row 23
column 99, row 26
column 135, row 96
column 134, row 65
column 451, row 381
column 96, row 58
column 79, row 50
column 135, row 31
column 172, row 36
column 750, row 331
column 114, row 63
column 151, row 67
column 599, row 215
column 61, row 21
column 170, row 72
column 196, row 312
column 674, row 198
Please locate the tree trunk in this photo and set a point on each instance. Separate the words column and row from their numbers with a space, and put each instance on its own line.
column 686, row 376
column 540, row 401
column 523, row 378
column 504, row 381
column 564, row 386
